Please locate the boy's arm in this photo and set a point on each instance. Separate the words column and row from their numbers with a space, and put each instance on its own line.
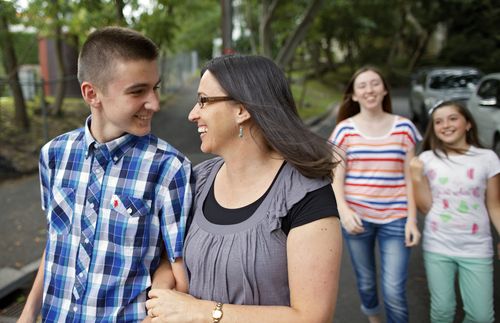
column 170, row 275
column 34, row 302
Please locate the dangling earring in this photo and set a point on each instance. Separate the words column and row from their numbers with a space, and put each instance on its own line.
column 240, row 134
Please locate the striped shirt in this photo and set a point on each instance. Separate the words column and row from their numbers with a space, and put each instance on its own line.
column 144, row 196
column 374, row 185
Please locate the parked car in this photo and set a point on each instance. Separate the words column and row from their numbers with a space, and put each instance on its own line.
column 484, row 105
column 433, row 84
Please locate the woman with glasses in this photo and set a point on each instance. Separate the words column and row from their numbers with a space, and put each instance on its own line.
column 264, row 244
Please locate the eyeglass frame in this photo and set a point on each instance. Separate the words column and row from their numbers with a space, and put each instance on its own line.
column 201, row 100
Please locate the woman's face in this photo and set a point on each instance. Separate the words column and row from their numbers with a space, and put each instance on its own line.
column 216, row 121
column 369, row 90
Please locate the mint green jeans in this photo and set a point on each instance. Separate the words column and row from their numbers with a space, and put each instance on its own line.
column 475, row 279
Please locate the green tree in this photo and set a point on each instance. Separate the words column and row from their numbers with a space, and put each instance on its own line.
column 10, row 65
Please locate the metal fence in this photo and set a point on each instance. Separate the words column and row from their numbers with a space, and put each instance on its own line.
column 175, row 71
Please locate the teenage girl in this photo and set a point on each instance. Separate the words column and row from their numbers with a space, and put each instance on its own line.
column 457, row 184
column 373, row 191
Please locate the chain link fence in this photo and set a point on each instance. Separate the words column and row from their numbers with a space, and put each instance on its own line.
column 175, row 71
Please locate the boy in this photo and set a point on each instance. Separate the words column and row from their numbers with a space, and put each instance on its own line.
column 111, row 191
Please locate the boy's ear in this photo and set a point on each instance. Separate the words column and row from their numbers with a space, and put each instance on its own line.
column 242, row 115
column 89, row 94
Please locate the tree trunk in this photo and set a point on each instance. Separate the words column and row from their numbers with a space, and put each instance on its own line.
column 227, row 26
column 265, row 34
column 120, row 18
column 10, row 64
column 423, row 38
column 286, row 53
column 253, row 31
column 329, row 54
column 61, row 81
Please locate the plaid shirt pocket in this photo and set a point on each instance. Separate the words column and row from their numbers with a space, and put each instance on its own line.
column 60, row 214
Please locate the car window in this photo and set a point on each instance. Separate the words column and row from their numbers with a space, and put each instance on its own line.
column 489, row 89
column 452, row 81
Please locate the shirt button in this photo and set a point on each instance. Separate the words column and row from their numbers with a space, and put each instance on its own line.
column 91, row 205
column 97, row 171
column 115, row 158
column 129, row 211
column 80, row 275
column 86, row 240
column 75, row 308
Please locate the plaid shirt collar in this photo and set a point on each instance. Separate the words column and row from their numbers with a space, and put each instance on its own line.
column 112, row 150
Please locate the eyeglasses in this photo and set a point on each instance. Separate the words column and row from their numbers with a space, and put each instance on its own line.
column 201, row 100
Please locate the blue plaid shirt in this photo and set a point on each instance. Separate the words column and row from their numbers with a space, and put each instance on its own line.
column 143, row 198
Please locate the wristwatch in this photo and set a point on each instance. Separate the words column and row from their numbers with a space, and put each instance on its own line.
column 217, row 313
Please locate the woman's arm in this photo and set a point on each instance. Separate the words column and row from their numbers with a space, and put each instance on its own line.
column 314, row 254
column 421, row 187
column 350, row 220
column 412, row 234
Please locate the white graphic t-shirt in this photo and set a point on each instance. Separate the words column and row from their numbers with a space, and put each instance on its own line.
column 458, row 223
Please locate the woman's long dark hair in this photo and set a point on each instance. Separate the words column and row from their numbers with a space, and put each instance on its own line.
column 349, row 107
column 259, row 84
column 432, row 142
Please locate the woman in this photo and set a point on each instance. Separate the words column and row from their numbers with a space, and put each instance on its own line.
column 264, row 244
column 374, row 193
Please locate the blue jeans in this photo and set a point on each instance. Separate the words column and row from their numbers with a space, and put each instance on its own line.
column 394, row 257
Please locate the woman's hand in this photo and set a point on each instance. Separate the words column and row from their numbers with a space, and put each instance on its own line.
column 351, row 221
column 416, row 169
column 412, row 234
column 171, row 306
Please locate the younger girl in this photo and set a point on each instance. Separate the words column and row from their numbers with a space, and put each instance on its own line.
column 452, row 179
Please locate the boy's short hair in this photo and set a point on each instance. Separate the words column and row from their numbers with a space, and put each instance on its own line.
column 105, row 46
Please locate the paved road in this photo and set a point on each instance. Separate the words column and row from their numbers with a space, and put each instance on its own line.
column 23, row 225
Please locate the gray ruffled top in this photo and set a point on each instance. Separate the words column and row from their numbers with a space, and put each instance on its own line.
column 243, row 263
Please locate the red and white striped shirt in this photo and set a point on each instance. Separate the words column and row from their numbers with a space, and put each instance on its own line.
column 374, row 184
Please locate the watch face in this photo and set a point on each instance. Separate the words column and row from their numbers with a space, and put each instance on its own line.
column 217, row 314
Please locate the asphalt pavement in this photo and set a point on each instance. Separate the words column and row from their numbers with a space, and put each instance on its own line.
column 23, row 225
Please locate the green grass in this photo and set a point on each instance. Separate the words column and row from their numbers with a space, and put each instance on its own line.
column 316, row 99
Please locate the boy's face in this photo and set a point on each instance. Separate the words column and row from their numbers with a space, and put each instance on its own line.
column 129, row 101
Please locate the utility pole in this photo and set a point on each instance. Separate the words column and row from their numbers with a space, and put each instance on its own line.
column 227, row 27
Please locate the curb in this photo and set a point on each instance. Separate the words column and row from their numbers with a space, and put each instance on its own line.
column 12, row 279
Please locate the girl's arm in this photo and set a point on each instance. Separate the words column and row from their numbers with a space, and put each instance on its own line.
column 421, row 187
column 314, row 253
column 412, row 234
column 493, row 204
column 350, row 220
